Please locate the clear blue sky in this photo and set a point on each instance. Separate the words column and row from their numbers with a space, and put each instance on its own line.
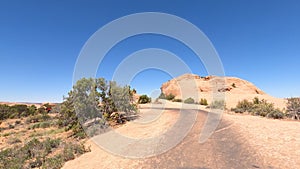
column 40, row 41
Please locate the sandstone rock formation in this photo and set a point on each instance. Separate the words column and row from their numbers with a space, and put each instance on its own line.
column 230, row 89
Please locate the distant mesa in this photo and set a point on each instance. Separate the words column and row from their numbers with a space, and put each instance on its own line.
column 26, row 103
column 231, row 88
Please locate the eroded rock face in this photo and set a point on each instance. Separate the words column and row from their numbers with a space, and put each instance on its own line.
column 231, row 89
column 209, row 84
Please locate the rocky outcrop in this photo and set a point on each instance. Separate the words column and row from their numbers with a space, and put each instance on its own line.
column 231, row 89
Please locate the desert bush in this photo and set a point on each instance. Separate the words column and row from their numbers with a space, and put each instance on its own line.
column 162, row 96
column 170, row 96
column 38, row 118
column 72, row 150
column 177, row 100
column 217, row 104
column 259, row 108
column 11, row 158
column 30, row 154
column 38, row 154
column 293, row 108
column 233, row 85
column 16, row 111
column 203, row 101
column 189, row 100
column 262, row 109
column 68, row 153
column 144, row 99
column 276, row 114
column 4, row 111
column 256, row 100
column 242, row 106
column 44, row 124
column 55, row 162
column 167, row 97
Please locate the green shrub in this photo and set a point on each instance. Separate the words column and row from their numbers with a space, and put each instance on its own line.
column 12, row 158
column 72, row 150
column 233, row 85
column 55, row 162
column 38, row 154
column 242, row 106
column 276, row 114
column 162, row 96
column 259, row 108
column 38, row 118
column 170, row 96
column 177, row 100
column 189, row 100
column 262, row 109
column 16, row 111
column 218, row 104
column 68, row 153
column 167, row 97
column 144, row 99
column 256, row 100
column 44, row 124
column 203, row 101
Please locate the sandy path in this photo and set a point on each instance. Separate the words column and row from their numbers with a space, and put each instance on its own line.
column 277, row 142
column 239, row 142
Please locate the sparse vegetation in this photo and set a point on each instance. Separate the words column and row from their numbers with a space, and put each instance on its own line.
column 177, row 100
column 167, row 97
column 44, row 124
column 218, row 104
column 20, row 111
column 203, row 101
column 37, row 154
column 189, row 100
column 94, row 103
column 259, row 108
column 144, row 99
column 14, row 140
column 170, row 96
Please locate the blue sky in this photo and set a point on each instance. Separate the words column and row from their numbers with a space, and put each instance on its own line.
column 40, row 41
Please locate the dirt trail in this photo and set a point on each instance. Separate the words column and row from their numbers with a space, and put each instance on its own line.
column 225, row 149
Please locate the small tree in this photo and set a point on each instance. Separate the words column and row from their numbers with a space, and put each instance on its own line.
column 91, row 102
column 144, row 99
column 233, row 85
column 293, row 108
